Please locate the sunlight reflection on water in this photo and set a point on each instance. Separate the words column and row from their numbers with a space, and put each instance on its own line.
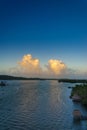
column 38, row 105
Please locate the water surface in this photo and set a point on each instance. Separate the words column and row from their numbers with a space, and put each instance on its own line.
column 38, row 105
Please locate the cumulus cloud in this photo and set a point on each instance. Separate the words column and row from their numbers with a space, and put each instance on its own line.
column 55, row 67
column 31, row 67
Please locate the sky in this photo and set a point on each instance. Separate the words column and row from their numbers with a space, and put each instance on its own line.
column 43, row 38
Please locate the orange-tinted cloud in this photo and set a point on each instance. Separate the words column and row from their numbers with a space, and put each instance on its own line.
column 55, row 67
column 31, row 67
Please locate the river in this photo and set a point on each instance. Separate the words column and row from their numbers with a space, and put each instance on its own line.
column 38, row 105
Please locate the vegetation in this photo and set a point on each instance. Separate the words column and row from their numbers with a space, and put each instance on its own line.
column 73, row 80
column 7, row 77
column 81, row 90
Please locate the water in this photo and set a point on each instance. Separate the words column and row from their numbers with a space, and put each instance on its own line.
column 38, row 105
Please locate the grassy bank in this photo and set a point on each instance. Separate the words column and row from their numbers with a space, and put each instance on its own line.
column 81, row 90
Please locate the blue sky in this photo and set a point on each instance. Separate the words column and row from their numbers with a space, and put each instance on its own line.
column 46, row 29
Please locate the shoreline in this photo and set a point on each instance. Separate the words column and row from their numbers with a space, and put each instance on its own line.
column 79, row 94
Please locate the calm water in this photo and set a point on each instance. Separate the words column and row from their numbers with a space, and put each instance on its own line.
column 38, row 105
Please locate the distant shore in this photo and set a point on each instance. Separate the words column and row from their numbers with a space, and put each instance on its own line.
column 8, row 77
column 73, row 80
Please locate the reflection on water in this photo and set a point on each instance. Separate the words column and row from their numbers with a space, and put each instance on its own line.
column 38, row 105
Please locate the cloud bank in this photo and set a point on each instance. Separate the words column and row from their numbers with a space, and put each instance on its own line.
column 31, row 67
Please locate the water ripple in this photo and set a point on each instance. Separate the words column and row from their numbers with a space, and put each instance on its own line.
column 37, row 105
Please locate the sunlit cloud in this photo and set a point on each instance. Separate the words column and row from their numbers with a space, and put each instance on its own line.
column 55, row 67
column 29, row 66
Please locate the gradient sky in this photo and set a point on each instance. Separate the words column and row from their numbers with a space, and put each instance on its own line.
column 46, row 29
